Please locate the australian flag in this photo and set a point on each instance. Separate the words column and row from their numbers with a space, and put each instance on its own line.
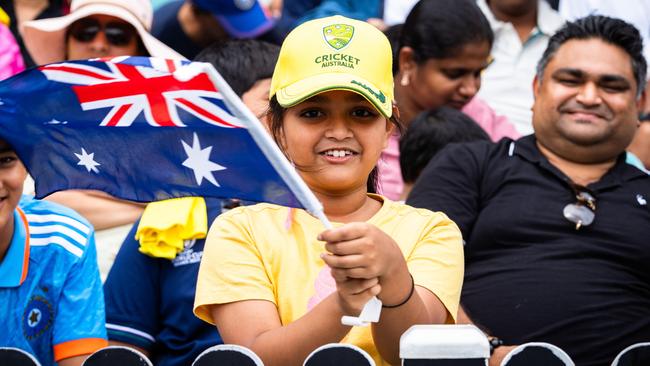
column 143, row 129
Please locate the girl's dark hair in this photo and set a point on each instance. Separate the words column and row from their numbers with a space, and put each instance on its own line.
column 440, row 28
column 276, row 114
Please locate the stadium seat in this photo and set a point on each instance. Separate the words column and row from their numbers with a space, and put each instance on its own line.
column 444, row 345
column 537, row 354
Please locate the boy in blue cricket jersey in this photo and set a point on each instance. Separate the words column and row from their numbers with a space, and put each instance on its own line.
column 51, row 297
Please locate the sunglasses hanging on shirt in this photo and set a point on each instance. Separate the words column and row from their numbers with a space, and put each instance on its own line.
column 117, row 33
column 583, row 211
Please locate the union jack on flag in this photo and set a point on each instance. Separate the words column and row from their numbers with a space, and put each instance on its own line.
column 130, row 90
column 143, row 129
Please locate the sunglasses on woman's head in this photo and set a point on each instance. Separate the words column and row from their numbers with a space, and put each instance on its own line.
column 117, row 33
column 583, row 211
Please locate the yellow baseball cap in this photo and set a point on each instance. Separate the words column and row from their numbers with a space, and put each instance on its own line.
column 334, row 53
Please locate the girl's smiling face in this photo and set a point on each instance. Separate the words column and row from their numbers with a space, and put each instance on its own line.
column 334, row 139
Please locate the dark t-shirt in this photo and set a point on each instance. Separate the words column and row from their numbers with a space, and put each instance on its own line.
column 149, row 301
column 530, row 275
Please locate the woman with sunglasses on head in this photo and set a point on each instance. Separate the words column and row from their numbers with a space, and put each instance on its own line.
column 98, row 28
column 271, row 277
column 440, row 52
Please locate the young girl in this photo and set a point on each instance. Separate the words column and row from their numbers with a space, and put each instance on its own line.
column 272, row 279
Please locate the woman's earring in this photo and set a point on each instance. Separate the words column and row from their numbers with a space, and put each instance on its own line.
column 405, row 80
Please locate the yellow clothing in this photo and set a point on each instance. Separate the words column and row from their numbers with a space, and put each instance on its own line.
column 251, row 253
column 165, row 225
column 4, row 18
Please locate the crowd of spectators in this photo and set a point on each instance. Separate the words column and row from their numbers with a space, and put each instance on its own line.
column 523, row 125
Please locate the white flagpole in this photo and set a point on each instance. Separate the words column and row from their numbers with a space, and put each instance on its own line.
column 372, row 309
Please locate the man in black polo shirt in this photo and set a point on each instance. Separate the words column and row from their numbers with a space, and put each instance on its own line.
column 557, row 224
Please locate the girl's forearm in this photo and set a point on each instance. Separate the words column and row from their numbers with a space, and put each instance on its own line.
column 292, row 343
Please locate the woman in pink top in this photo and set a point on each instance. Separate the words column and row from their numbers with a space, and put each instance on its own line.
column 11, row 62
column 440, row 52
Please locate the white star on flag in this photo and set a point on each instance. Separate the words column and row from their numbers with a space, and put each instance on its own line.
column 88, row 161
column 55, row 121
column 199, row 161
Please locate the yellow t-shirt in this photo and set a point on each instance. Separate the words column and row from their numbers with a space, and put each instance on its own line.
column 270, row 252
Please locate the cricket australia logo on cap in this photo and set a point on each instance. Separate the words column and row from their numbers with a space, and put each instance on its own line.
column 338, row 35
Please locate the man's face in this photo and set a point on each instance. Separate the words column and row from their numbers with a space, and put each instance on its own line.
column 586, row 101
column 12, row 176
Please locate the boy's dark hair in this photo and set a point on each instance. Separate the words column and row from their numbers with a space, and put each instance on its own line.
column 441, row 28
column 241, row 62
column 429, row 132
column 610, row 30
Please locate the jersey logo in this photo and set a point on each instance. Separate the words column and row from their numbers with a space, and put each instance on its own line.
column 641, row 200
column 37, row 317
column 338, row 35
column 188, row 255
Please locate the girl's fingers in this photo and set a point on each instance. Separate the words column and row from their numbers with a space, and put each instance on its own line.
column 346, row 232
column 354, row 273
column 346, row 261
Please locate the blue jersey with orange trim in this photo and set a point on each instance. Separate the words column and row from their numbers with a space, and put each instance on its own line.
column 50, row 290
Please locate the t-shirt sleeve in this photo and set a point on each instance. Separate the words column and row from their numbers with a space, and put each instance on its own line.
column 132, row 294
column 232, row 268
column 450, row 184
column 437, row 263
column 79, row 326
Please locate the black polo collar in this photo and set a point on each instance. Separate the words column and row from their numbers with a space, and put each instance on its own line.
column 526, row 148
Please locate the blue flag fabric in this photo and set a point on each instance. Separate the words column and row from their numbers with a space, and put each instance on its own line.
column 142, row 129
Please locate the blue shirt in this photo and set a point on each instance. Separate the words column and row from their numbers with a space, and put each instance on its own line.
column 51, row 296
column 149, row 301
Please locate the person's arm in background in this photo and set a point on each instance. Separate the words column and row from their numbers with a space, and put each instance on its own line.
column 101, row 209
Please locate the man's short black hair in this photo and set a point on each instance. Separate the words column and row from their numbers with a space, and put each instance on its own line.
column 241, row 62
column 429, row 132
column 610, row 30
